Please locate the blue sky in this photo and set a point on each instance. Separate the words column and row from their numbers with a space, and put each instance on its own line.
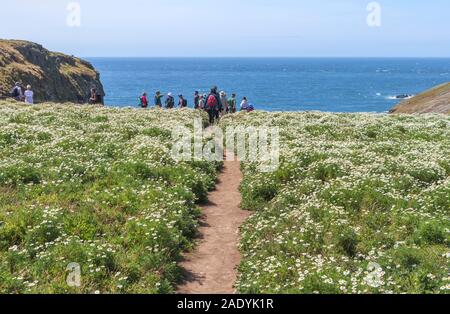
column 282, row 28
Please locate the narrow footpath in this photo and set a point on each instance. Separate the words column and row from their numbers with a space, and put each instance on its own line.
column 211, row 267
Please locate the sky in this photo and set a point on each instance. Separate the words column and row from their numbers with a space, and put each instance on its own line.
column 232, row 28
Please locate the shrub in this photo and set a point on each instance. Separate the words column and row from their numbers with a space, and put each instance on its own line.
column 86, row 185
column 430, row 233
column 351, row 190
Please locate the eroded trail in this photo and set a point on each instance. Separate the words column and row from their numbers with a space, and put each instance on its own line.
column 211, row 268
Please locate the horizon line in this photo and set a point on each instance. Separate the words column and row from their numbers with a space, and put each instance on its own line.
column 272, row 57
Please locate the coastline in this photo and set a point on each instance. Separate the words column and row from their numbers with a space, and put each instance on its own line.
column 277, row 84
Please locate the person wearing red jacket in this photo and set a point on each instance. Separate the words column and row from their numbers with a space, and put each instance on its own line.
column 144, row 100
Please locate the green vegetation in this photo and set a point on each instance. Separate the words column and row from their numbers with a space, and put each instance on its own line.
column 70, row 78
column 96, row 187
column 436, row 99
column 359, row 204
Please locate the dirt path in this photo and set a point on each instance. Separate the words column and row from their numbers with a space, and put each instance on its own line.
column 211, row 268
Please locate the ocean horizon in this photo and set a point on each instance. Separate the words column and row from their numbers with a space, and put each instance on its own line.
column 275, row 84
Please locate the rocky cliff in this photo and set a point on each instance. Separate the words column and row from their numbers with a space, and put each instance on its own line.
column 54, row 77
column 435, row 100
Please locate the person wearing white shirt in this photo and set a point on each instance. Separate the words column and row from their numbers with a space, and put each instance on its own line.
column 244, row 104
column 29, row 95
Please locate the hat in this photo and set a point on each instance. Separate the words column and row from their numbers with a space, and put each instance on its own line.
column 222, row 93
column 169, row 94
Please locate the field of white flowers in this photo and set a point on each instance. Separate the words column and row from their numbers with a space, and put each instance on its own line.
column 360, row 204
column 96, row 187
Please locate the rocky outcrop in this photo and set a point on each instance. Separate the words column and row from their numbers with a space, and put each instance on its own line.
column 54, row 77
column 435, row 100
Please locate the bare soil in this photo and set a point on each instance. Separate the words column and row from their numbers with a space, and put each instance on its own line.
column 211, row 267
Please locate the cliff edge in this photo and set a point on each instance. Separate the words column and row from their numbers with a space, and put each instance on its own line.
column 435, row 100
column 54, row 77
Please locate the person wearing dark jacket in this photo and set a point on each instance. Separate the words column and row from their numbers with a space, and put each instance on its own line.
column 158, row 99
column 182, row 103
column 196, row 99
column 212, row 105
column 170, row 101
column 17, row 92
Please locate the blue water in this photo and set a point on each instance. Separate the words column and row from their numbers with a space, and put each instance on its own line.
column 336, row 85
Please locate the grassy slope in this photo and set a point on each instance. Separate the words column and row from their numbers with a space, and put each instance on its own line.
column 351, row 189
column 96, row 187
column 52, row 75
column 435, row 100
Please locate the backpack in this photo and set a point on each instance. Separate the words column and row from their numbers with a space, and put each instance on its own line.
column 212, row 102
column 15, row 92
column 170, row 102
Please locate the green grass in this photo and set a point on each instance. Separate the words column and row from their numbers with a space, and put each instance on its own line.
column 96, row 187
column 351, row 190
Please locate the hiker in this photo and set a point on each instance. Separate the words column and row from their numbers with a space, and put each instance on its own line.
column 170, row 101
column 223, row 102
column 232, row 103
column 201, row 102
column 196, row 99
column 205, row 97
column 16, row 91
column 158, row 99
column 219, row 108
column 29, row 95
column 244, row 104
column 95, row 98
column 212, row 105
column 182, row 103
column 143, row 100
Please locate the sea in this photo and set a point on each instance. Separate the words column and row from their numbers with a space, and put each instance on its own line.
column 275, row 84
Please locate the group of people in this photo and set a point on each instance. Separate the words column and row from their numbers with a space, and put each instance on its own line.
column 20, row 94
column 27, row 95
column 215, row 103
